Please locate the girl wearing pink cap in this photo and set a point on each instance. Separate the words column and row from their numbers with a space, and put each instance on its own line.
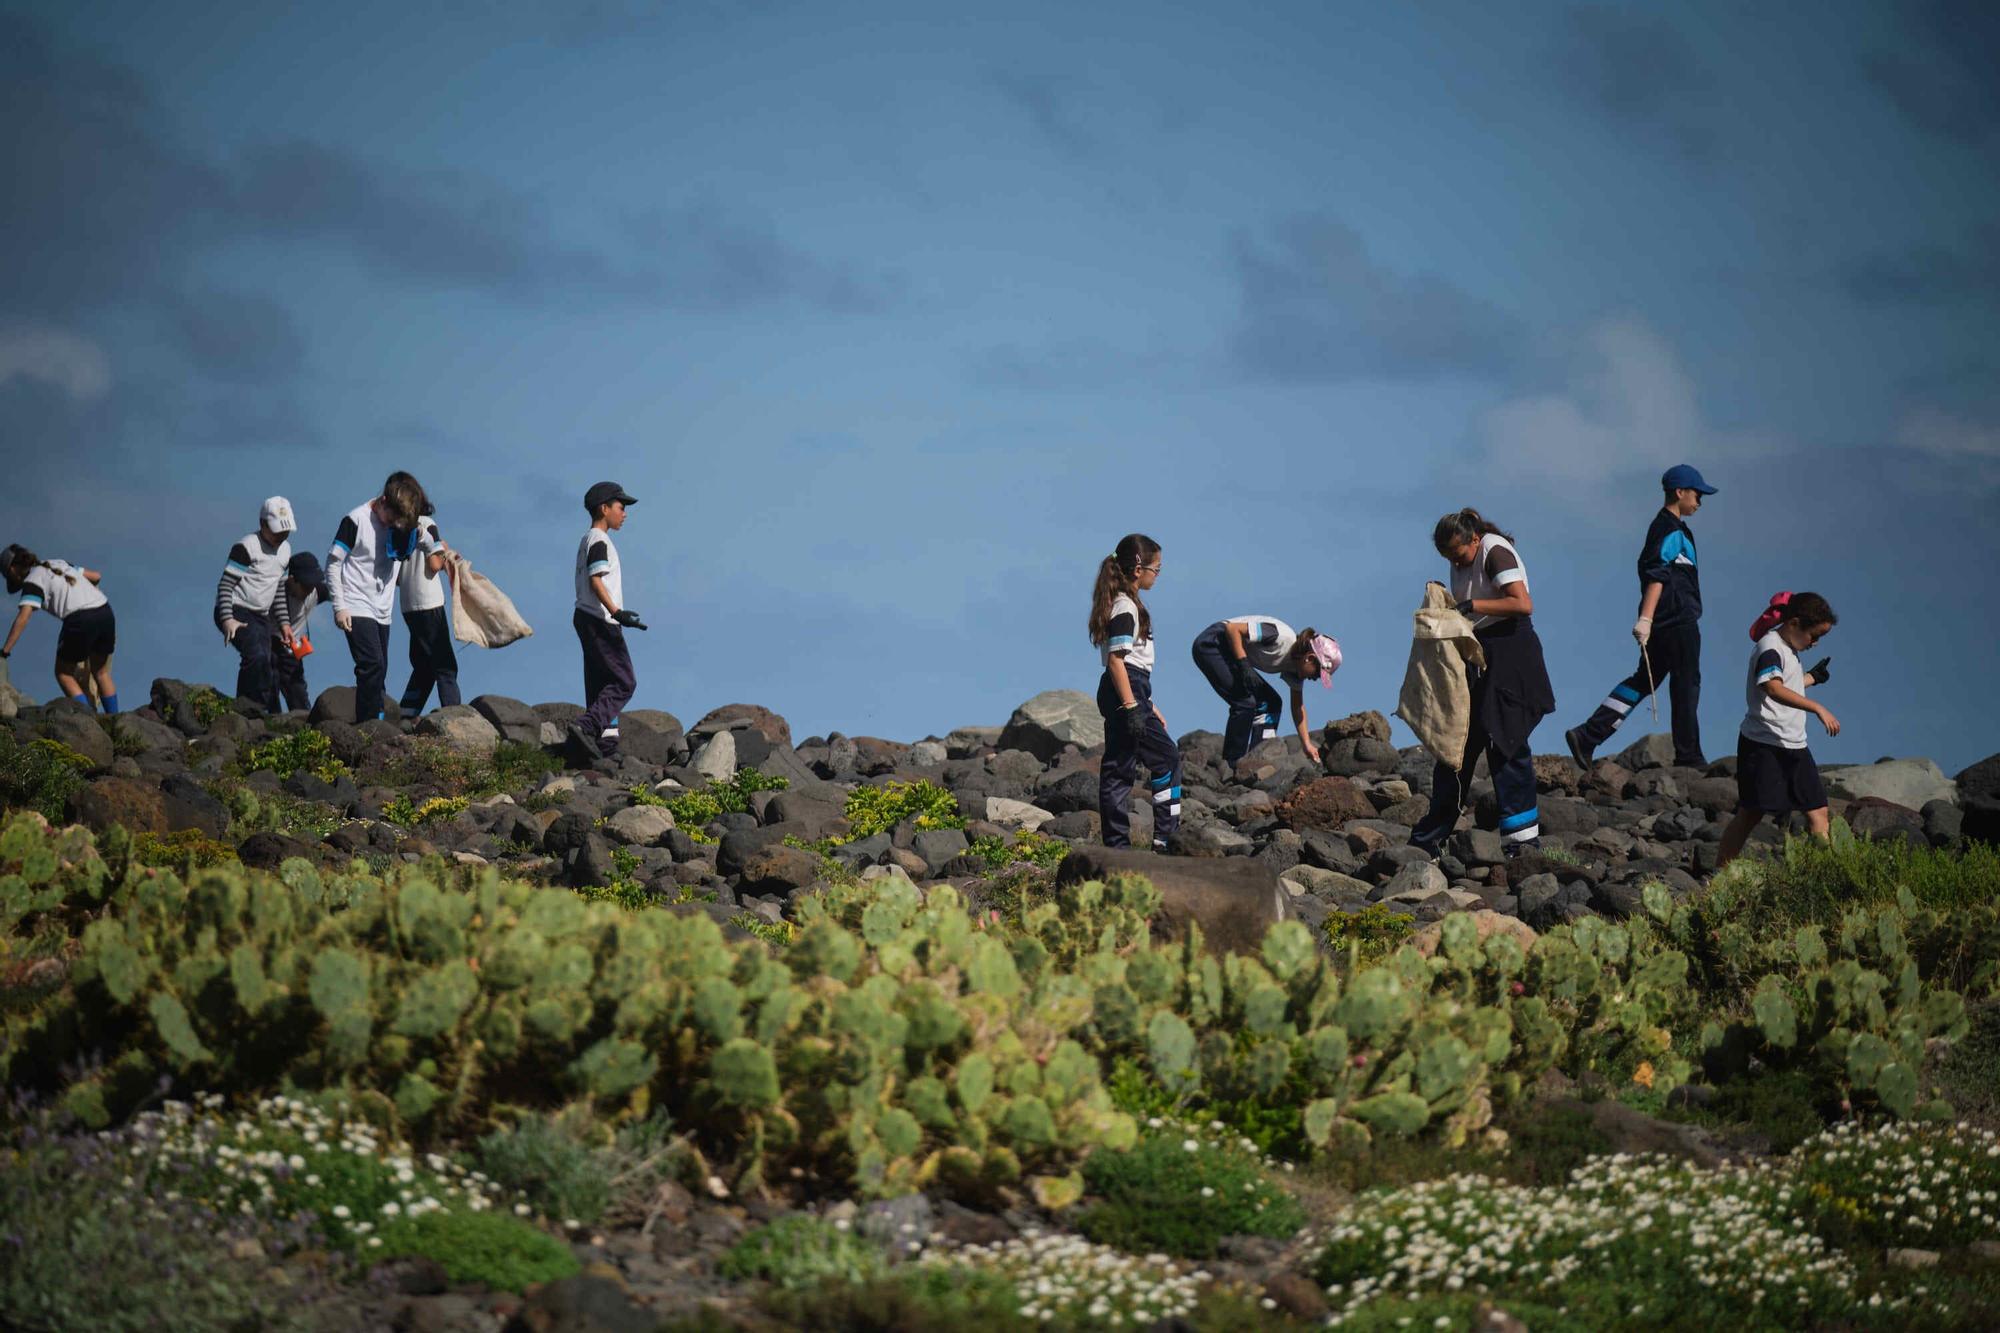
column 1232, row 653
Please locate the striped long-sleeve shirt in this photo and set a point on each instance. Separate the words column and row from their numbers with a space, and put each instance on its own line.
column 253, row 578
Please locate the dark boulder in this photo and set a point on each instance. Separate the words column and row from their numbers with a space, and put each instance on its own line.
column 1234, row 900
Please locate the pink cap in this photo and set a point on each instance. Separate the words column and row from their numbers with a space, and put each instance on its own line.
column 1327, row 650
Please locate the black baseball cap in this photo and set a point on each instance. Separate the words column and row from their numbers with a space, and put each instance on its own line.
column 603, row 493
column 305, row 568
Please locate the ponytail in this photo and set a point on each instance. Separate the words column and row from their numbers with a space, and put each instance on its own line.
column 1119, row 573
column 1790, row 607
column 17, row 560
column 1464, row 525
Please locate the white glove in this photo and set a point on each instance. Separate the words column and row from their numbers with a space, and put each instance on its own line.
column 1642, row 629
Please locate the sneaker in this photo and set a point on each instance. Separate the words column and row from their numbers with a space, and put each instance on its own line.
column 1577, row 749
column 1514, row 851
column 582, row 745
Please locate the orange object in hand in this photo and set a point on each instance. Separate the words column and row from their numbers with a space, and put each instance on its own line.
column 301, row 647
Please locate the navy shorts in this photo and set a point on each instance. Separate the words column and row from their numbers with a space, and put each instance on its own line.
column 87, row 634
column 1776, row 780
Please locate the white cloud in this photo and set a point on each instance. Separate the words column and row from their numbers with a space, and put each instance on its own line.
column 1942, row 435
column 1629, row 408
column 76, row 365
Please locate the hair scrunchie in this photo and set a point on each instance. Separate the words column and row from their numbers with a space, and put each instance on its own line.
column 1773, row 613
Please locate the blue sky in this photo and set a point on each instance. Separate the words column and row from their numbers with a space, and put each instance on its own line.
column 897, row 317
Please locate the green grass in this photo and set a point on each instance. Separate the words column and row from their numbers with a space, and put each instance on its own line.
column 41, row 775
column 1181, row 1194
column 799, row 1251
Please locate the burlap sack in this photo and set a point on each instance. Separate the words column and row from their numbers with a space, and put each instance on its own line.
column 481, row 615
column 1436, row 700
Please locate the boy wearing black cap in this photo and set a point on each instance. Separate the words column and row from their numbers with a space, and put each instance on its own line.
column 1668, row 628
column 305, row 590
column 601, row 621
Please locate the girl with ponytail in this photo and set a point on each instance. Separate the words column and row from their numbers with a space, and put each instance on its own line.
column 1490, row 586
column 1775, row 772
column 1134, row 731
column 89, row 630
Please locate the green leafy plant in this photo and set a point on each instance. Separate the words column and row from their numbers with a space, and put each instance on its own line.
column 872, row 810
column 181, row 849
column 1178, row 1192
column 273, row 812
column 302, row 749
column 404, row 813
column 1037, row 849
column 205, row 702
column 41, row 775
column 777, row 934
column 800, row 1251
column 1369, row 935
column 694, row 810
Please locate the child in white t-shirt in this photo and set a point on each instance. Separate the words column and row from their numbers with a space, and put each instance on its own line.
column 1231, row 654
column 1775, row 772
column 1135, row 732
column 70, row 594
column 432, row 659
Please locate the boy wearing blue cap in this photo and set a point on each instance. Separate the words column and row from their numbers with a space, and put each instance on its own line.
column 1668, row 628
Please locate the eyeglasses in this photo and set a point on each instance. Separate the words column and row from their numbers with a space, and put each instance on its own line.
column 1147, row 569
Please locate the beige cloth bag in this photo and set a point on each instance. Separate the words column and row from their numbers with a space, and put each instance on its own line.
column 481, row 615
column 1437, row 699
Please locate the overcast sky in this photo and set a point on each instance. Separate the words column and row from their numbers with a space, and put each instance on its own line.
column 897, row 317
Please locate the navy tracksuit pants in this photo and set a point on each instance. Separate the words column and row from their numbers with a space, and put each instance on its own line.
column 1155, row 750
column 432, row 661
column 608, row 681
column 1675, row 651
column 1253, row 716
column 290, row 672
column 256, row 678
column 1513, row 787
column 368, row 645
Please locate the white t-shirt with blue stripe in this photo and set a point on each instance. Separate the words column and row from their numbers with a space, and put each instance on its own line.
column 59, row 588
column 1122, row 637
column 1769, row 722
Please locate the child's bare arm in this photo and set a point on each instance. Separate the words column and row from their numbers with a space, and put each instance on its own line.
column 93, row 576
column 603, row 595
column 1784, row 694
column 20, row 623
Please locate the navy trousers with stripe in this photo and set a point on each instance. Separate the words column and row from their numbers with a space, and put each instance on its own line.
column 1676, row 657
column 256, row 679
column 608, row 680
column 1513, row 788
column 1155, row 750
column 1253, row 716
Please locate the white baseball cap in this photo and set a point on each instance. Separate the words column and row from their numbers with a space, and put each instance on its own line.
column 276, row 515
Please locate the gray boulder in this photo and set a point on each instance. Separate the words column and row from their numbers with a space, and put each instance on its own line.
column 716, row 759
column 938, row 846
column 461, row 728
column 1414, row 881
column 640, row 825
column 514, row 720
column 1016, row 814
column 1052, row 719
column 337, row 701
column 1234, row 900
column 1911, row 783
column 68, row 724
column 651, row 736
column 1654, row 751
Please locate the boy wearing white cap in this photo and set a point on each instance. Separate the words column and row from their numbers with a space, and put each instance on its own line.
column 250, row 603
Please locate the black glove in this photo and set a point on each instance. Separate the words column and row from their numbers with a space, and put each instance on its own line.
column 1465, row 608
column 1244, row 674
column 629, row 619
column 1820, row 671
column 1132, row 722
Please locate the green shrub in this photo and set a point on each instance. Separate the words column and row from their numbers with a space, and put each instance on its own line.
column 1180, row 1192
column 40, row 776
column 491, row 1249
column 204, row 701
column 801, row 1251
column 1036, row 849
column 694, row 810
column 1368, row 936
column 79, row 1255
column 1930, row 1186
column 302, row 749
column 404, row 813
column 186, row 848
column 273, row 812
column 1785, row 1105
column 433, row 764
column 872, row 810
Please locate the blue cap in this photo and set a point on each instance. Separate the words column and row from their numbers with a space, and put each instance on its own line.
column 1683, row 477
